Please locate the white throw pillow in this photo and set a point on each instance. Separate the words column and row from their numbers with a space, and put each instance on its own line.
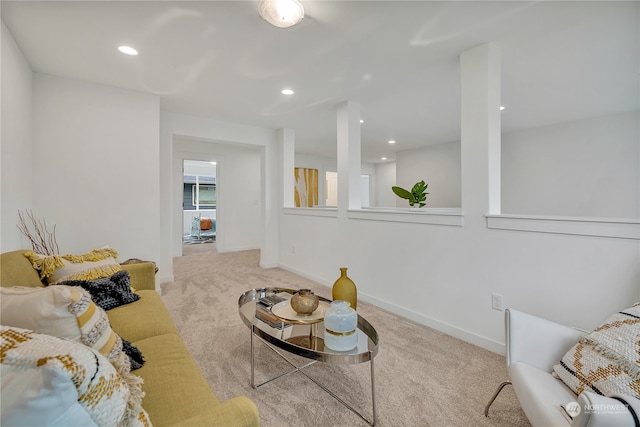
column 55, row 382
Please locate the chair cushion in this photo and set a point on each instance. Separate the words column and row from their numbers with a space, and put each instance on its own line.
column 540, row 394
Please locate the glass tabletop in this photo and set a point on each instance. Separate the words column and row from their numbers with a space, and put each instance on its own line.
column 304, row 340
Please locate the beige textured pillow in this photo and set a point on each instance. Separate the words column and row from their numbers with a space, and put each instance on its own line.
column 90, row 266
column 606, row 361
column 51, row 381
column 68, row 312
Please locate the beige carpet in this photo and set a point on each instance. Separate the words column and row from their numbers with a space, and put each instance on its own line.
column 423, row 377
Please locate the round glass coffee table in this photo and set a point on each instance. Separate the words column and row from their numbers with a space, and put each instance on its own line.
column 303, row 337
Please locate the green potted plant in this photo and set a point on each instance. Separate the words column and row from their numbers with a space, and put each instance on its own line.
column 417, row 195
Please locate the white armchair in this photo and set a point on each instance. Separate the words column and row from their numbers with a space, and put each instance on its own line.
column 534, row 345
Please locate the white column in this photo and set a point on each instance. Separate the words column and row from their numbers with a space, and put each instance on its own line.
column 480, row 131
column 286, row 139
column 271, row 203
column 349, row 163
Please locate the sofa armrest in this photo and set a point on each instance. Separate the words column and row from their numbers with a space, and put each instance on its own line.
column 537, row 341
column 603, row 411
column 236, row 412
column 143, row 275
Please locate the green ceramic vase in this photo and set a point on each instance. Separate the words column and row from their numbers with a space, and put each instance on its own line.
column 344, row 289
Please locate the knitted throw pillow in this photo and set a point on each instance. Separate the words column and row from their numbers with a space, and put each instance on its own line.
column 607, row 360
column 108, row 292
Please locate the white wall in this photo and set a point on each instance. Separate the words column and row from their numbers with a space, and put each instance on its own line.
column 589, row 168
column 385, row 179
column 439, row 166
column 238, row 170
column 443, row 276
column 96, row 166
column 16, row 143
column 199, row 168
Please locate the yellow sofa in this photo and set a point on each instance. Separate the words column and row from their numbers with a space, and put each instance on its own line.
column 176, row 392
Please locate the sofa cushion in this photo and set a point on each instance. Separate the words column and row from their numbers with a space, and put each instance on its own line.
column 142, row 319
column 174, row 386
column 16, row 270
column 606, row 361
column 93, row 265
column 55, row 382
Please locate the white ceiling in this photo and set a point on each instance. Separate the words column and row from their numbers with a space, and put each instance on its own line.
column 561, row 61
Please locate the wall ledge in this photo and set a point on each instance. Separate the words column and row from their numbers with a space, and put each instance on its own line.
column 317, row 211
column 598, row 227
column 436, row 216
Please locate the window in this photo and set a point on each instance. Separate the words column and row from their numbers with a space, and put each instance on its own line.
column 204, row 195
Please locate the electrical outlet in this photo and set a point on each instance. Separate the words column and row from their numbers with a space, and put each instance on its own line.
column 496, row 301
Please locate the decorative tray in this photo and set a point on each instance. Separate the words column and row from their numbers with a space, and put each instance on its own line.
column 284, row 311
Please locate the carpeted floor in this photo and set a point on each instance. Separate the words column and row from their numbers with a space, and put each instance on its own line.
column 423, row 377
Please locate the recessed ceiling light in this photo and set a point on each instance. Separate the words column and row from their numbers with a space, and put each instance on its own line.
column 501, row 108
column 392, row 142
column 383, row 158
column 287, row 92
column 361, row 121
column 127, row 50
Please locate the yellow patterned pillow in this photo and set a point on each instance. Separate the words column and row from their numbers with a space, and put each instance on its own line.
column 51, row 381
column 90, row 266
column 607, row 361
column 68, row 312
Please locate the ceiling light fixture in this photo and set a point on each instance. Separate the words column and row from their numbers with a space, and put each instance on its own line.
column 392, row 142
column 128, row 50
column 383, row 158
column 501, row 108
column 281, row 13
column 287, row 92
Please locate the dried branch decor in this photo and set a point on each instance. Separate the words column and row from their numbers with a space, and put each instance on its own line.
column 42, row 240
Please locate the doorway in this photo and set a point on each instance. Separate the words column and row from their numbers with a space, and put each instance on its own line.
column 199, row 202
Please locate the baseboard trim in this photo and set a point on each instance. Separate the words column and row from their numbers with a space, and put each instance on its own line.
column 238, row 249
column 161, row 280
column 454, row 331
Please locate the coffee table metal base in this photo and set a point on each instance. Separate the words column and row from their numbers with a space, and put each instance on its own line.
column 300, row 369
